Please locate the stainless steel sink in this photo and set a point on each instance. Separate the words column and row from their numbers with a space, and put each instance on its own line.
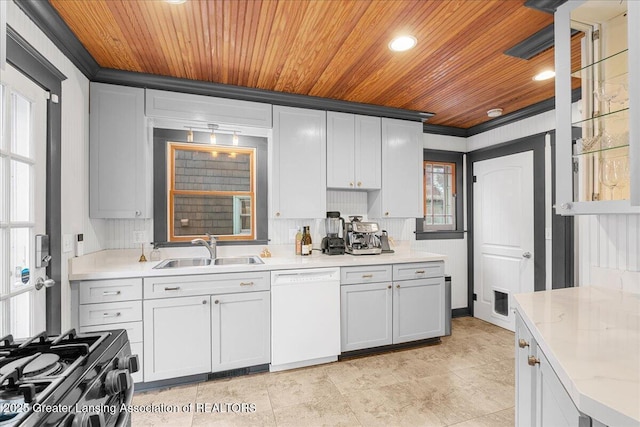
column 184, row 262
column 201, row 262
column 238, row 260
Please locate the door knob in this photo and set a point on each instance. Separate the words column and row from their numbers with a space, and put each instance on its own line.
column 526, row 255
column 44, row 283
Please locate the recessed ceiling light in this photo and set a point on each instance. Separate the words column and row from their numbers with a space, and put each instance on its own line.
column 402, row 43
column 496, row 112
column 545, row 75
column 176, row 1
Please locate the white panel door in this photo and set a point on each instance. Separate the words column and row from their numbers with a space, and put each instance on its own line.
column 340, row 150
column 368, row 152
column 503, row 235
column 23, row 146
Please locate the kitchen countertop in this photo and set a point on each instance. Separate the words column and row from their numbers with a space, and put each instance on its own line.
column 116, row 264
column 591, row 337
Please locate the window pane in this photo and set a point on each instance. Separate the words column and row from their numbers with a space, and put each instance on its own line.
column 20, row 248
column 19, row 311
column 20, row 191
column 21, row 131
column 206, row 171
column 218, row 215
column 3, row 189
column 2, row 146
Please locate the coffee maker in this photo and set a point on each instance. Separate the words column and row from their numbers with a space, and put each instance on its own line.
column 361, row 238
column 333, row 244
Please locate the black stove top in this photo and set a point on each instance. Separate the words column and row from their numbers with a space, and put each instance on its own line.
column 40, row 375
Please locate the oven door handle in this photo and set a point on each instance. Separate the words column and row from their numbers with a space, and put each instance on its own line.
column 123, row 417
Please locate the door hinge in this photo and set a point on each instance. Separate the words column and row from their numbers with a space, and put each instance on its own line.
column 595, row 35
column 475, row 178
column 475, row 297
column 576, row 166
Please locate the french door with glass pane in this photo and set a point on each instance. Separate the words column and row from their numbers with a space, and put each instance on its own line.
column 23, row 110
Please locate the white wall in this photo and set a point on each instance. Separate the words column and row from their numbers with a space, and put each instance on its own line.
column 75, row 119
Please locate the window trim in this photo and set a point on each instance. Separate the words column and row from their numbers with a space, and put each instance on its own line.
column 161, row 137
column 174, row 146
column 445, row 157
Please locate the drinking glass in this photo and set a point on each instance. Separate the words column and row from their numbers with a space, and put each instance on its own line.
column 614, row 172
column 606, row 93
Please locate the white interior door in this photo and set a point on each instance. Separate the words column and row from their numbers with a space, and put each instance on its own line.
column 503, row 235
column 23, row 111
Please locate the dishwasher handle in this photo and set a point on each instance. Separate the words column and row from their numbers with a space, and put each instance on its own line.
column 305, row 276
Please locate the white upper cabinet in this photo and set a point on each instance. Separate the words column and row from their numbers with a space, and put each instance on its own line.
column 401, row 193
column 605, row 160
column 353, row 151
column 299, row 166
column 207, row 109
column 119, row 153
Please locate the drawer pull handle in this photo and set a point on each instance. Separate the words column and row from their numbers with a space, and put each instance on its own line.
column 109, row 293
column 522, row 343
column 533, row 361
column 172, row 288
column 367, row 276
column 246, row 283
column 111, row 314
column 420, row 271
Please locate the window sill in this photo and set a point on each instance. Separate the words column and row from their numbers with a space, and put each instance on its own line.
column 440, row 235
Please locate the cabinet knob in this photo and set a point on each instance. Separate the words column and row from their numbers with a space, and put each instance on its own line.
column 533, row 361
column 138, row 213
column 386, row 214
column 277, row 213
column 398, row 286
column 522, row 343
column 359, row 184
column 351, row 184
column 389, row 287
column 566, row 206
column 216, row 301
column 204, row 301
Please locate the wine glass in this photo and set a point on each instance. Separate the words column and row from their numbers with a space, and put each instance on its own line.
column 614, row 172
column 606, row 93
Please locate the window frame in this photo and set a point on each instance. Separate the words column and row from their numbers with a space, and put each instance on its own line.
column 441, row 156
column 172, row 147
column 162, row 136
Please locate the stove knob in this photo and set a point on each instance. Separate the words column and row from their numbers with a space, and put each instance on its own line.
column 117, row 381
column 132, row 363
column 88, row 419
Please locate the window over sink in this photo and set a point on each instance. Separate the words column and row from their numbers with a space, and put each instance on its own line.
column 202, row 188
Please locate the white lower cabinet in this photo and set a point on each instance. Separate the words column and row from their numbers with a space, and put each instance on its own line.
column 240, row 325
column 541, row 399
column 177, row 337
column 391, row 311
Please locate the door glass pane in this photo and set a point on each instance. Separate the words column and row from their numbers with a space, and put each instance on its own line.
column 21, row 131
column 19, row 251
column 20, row 319
column 20, row 191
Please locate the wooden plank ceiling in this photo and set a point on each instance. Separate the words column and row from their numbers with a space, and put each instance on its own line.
column 330, row 48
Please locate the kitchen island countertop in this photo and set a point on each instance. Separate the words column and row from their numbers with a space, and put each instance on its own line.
column 123, row 263
column 591, row 337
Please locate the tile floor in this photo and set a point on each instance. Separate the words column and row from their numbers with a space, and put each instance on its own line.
column 467, row 380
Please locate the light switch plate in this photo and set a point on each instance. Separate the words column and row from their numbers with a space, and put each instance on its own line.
column 139, row 237
column 67, row 243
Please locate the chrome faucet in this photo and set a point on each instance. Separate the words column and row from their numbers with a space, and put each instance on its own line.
column 211, row 245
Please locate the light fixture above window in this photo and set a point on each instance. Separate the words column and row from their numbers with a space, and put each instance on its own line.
column 190, row 135
column 212, row 136
column 402, row 43
column 545, row 75
column 235, row 138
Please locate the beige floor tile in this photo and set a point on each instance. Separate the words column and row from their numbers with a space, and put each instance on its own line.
column 327, row 412
column 497, row 378
column 497, row 419
column 359, row 374
column 293, row 388
column 174, row 400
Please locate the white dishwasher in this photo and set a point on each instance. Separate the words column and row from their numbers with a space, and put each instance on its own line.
column 305, row 317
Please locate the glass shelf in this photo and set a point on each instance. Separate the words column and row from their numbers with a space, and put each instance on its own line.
column 600, row 150
column 621, row 114
column 619, row 58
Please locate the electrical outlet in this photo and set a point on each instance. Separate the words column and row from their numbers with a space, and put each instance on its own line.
column 67, row 243
column 139, row 237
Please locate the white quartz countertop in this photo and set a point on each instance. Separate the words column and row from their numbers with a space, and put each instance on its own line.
column 591, row 337
column 114, row 264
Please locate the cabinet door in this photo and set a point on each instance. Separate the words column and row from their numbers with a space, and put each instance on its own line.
column 241, row 330
column 299, row 163
column 365, row 312
column 401, row 194
column 554, row 406
column 177, row 337
column 119, row 154
column 368, row 152
column 418, row 309
column 525, row 376
column 340, row 150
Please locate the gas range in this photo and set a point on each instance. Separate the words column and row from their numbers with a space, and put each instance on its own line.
column 68, row 380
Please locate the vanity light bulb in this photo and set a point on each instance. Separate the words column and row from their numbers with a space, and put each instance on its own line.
column 189, row 135
column 235, row 139
column 212, row 138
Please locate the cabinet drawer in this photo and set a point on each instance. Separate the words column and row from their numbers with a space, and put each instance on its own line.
column 110, row 313
column 134, row 329
column 366, row 274
column 169, row 287
column 418, row 270
column 97, row 291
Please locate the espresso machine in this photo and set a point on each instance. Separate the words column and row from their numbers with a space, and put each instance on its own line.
column 361, row 238
column 333, row 244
